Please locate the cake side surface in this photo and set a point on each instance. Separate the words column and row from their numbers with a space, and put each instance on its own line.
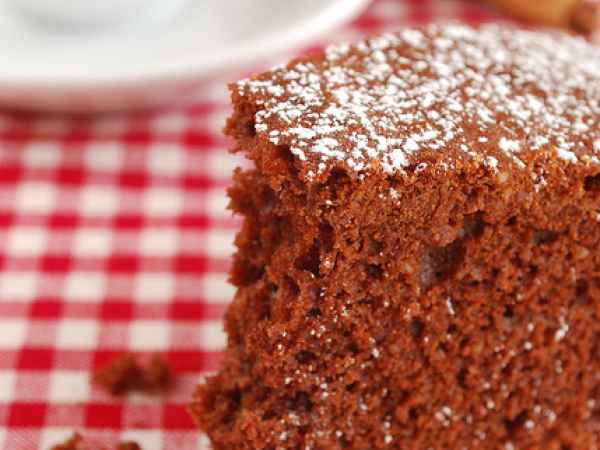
column 452, row 302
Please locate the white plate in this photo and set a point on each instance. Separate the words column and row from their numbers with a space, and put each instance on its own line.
column 150, row 61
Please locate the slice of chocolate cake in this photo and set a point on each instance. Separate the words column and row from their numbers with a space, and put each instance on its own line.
column 419, row 265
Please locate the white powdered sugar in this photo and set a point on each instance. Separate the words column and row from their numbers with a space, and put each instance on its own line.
column 567, row 155
column 491, row 95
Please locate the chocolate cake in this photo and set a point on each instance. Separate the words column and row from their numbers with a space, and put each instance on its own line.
column 419, row 263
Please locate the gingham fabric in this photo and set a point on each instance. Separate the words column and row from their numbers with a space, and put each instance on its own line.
column 114, row 237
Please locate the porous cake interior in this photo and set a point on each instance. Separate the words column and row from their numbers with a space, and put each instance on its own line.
column 405, row 312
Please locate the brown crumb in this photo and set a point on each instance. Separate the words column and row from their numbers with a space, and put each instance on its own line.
column 139, row 424
column 157, row 374
column 119, row 376
column 76, row 442
column 125, row 374
column 129, row 445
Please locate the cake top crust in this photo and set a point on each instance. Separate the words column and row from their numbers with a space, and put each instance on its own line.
column 445, row 95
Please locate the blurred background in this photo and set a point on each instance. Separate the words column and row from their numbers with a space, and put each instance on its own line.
column 114, row 232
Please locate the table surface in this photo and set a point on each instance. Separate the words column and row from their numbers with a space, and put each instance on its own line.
column 114, row 236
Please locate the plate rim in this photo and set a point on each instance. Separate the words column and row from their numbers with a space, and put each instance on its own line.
column 185, row 67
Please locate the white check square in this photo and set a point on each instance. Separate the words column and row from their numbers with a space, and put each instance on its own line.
column 212, row 336
column 216, row 288
column 163, row 202
column 12, row 333
column 153, row 287
column 41, row 154
column 219, row 162
column 170, row 123
column 77, row 334
column 216, row 202
column 103, row 156
column 84, row 286
column 149, row 335
column 219, row 243
column 7, row 386
column 166, row 159
column 69, row 386
column 26, row 241
column 35, row 198
column 98, row 201
column 17, row 285
column 92, row 242
column 159, row 241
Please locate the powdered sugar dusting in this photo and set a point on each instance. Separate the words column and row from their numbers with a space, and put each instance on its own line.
column 567, row 155
column 509, row 146
column 492, row 94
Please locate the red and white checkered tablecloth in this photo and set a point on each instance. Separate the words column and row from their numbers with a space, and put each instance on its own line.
column 114, row 237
